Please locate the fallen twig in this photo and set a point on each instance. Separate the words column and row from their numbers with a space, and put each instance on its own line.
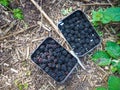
column 16, row 32
column 100, row 4
column 48, row 18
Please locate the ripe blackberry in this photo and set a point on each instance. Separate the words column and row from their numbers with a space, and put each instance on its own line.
column 58, row 66
column 46, row 69
column 61, row 78
column 72, row 38
column 64, row 52
column 69, row 35
column 63, row 67
column 81, row 27
column 42, row 47
column 43, row 66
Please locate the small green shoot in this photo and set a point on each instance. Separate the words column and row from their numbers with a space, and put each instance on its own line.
column 66, row 11
column 21, row 86
column 109, row 57
column 4, row 2
column 17, row 13
column 113, row 84
column 106, row 16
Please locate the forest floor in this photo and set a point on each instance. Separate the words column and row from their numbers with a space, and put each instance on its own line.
column 19, row 38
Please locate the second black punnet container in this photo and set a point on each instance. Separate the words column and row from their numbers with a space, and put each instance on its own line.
column 79, row 33
column 55, row 60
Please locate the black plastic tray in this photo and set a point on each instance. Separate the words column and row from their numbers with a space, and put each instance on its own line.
column 79, row 33
column 55, row 60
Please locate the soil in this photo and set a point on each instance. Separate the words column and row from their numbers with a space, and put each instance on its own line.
column 16, row 67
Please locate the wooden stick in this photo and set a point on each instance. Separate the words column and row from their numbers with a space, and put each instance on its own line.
column 21, row 31
column 100, row 4
column 48, row 18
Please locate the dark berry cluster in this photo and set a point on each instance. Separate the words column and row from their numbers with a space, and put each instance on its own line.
column 79, row 33
column 54, row 59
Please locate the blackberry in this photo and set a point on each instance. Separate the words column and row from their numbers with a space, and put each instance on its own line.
column 61, row 78
column 35, row 60
column 69, row 69
column 67, row 31
column 64, row 52
column 68, row 39
column 60, row 61
column 60, row 73
column 85, row 45
column 87, row 24
column 47, row 69
column 52, row 42
column 69, row 35
column 76, row 28
column 72, row 39
column 72, row 32
column 43, row 56
column 71, row 26
column 56, row 78
column 42, row 47
column 68, row 56
column 97, row 41
column 69, row 64
column 63, row 67
column 43, row 66
column 65, row 34
column 87, row 40
column 58, row 66
column 78, row 14
column 37, row 52
column 81, row 27
column 66, row 26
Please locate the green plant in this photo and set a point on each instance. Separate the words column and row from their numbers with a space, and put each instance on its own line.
column 66, row 11
column 17, row 13
column 21, row 86
column 113, row 84
column 108, row 57
column 105, row 16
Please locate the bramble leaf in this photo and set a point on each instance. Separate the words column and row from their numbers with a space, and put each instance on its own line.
column 113, row 83
column 100, row 54
column 101, row 88
column 113, row 49
column 18, row 14
column 4, row 2
column 107, row 15
column 104, row 62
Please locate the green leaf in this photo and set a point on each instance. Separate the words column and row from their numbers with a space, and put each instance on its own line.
column 4, row 2
column 114, row 13
column 70, row 9
column 113, row 83
column 107, row 15
column 64, row 12
column 104, row 61
column 115, row 66
column 18, row 14
column 101, row 88
column 21, row 87
column 26, row 86
column 113, row 49
column 97, row 16
column 100, row 54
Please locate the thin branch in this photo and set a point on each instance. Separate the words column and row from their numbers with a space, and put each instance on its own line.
column 99, row 4
column 48, row 18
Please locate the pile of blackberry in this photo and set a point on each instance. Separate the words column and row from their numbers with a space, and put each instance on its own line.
column 54, row 59
column 79, row 33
